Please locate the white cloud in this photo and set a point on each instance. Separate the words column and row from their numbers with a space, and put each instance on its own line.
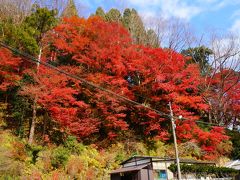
column 183, row 9
column 146, row 14
column 218, row 4
column 169, row 8
column 236, row 14
column 144, row 2
column 179, row 9
column 236, row 27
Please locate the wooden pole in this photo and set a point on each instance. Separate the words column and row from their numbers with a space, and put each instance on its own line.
column 175, row 141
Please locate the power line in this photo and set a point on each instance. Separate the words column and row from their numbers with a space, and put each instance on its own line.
column 212, row 124
column 33, row 59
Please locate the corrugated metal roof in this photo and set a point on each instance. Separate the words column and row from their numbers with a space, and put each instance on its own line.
column 234, row 164
column 128, row 169
column 158, row 159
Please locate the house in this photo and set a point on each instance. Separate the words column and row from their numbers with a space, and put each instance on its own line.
column 149, row 168
column 234, row 164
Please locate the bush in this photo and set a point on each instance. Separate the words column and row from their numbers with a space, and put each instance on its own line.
column 73, row 146
column 158, row 148
column 18, row 153
column 74, row 167
column 200, row 170
column 60, row 157
column 235, row 138
column 33, row 151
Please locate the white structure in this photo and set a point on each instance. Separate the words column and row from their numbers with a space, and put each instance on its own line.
column 150, row 168
column 234, row 164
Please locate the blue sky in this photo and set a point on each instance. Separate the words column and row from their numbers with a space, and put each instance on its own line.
column 202, row 15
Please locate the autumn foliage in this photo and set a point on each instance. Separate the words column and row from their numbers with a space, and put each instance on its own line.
column 103, row 53
column 9, row 69
column 224, row 95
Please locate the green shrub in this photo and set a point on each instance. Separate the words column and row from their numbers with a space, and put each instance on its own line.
column 33, row 151
column 205, row 170
column 157, row 148
column 60, row 157
column 73, row 146
column 235, row 138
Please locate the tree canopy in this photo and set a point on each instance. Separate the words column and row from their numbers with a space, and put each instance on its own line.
column 145, row 75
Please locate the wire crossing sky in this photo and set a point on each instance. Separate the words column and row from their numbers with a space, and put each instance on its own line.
column 33, row 59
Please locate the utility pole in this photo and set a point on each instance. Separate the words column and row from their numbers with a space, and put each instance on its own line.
column 175, row 141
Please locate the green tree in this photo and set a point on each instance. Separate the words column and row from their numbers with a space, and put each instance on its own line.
column 40, row 22
column 113, row 15
column 28, row 35
column 17, row 35
column 133, row 22
column 126, row 18
column 100, row 12
column 152, row 39
column 70, row 9
column 199, row 55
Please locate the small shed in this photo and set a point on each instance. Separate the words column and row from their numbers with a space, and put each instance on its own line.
column 148, row 168
column 234, row 164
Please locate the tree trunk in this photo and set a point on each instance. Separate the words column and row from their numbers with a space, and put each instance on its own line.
column 210, row 116
column 45, row 120
column 39, row 58
column 6, row 98
column 33, row 124
column 20, row 126
column 210, row 112
column 234, row 124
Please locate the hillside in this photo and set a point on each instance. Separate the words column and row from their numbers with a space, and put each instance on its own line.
column 80, row 95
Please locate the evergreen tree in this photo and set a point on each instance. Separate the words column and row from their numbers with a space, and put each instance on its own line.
column 199, row 55
column 114, row 15
column 28, row 35
column 100, row 12
column 126, row 18
column 152, row 39
column 40, row 22
column 136, row 28
column 133, row 23
column 70, row 9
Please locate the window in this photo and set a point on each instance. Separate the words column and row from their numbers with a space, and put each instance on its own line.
column 160, row 175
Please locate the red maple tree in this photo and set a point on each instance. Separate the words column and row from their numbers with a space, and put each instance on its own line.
column 153, row 77
column 110, row 60
column 9, row 68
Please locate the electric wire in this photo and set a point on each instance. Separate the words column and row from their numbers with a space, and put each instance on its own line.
column 33, row 59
